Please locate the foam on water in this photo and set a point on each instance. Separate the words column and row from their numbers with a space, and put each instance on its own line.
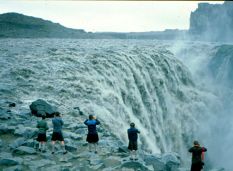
column 121, row 81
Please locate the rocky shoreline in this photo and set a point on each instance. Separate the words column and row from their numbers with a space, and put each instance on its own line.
column 19, row 149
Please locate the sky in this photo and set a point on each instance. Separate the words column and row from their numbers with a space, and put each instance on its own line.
column 112, row 16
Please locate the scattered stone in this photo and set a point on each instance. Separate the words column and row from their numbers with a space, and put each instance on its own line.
column 10, row 161
column 12, row 104
column 18, row 142
column 81, row 131
column 172, row 161
column 26, row 132
column 5, row 155
column 0, row 143
column 71, row 148
column 112, row 162
column 40, row 107
column 94, row 161
column 72, row 135
column 4, row 115
column 38, row 164
column 135, row 165
column 14, row 168
column 97, row 167
column 123, row 149
column 24, row 150
column 220, row 169
column 6, row 129
column 77, row 108
column 155, row 161
column 31, row 143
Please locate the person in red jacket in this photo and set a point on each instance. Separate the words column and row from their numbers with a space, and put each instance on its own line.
column 197, row 156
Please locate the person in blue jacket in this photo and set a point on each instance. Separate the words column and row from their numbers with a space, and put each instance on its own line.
column 133, row 137
column 92, row 136
column 57, row 132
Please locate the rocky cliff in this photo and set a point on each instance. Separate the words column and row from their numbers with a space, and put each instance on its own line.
column 212, row 22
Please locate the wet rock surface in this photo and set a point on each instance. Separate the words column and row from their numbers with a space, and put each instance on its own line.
column 19, row 148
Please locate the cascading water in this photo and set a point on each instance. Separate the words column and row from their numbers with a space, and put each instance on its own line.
column 211, row 66
column 121, row 81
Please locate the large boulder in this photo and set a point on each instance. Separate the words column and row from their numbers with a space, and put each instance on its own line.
column 172, row 161
column 41, row 107
column 155, row 161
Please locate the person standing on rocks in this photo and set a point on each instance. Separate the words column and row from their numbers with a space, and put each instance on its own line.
column 133, row 137
column 57, row 132
column 197, row 156
column 43, row 127
column 92, row 136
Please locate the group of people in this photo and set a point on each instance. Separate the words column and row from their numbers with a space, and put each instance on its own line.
column 93, row 138
column 57, row 133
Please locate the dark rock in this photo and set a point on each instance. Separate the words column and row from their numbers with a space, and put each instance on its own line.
column 33, row 143
column 77, row 108
column 6, row 129
column 135, row 165
column 14, row 168
column 4, row 115
column 10, row 161
column 40, row 107
column 70, row 148
column 123, row 149
column 24, row 150
column 12, row 104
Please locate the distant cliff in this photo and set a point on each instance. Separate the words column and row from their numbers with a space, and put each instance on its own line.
column 14, row 25
column 212, row 22
column 20, row 26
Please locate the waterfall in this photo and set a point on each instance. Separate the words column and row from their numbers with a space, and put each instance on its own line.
column 120, row 81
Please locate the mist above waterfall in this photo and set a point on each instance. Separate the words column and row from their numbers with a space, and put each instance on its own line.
column 211, row 66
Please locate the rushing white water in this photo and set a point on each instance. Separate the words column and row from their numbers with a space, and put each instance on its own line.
column 121, row 81
column 212, row 66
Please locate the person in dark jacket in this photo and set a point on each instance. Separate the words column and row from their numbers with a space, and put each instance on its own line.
column 197, row 152
column 92, row 136
column 57, row 132
column 133, row 137
column 43, row 127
